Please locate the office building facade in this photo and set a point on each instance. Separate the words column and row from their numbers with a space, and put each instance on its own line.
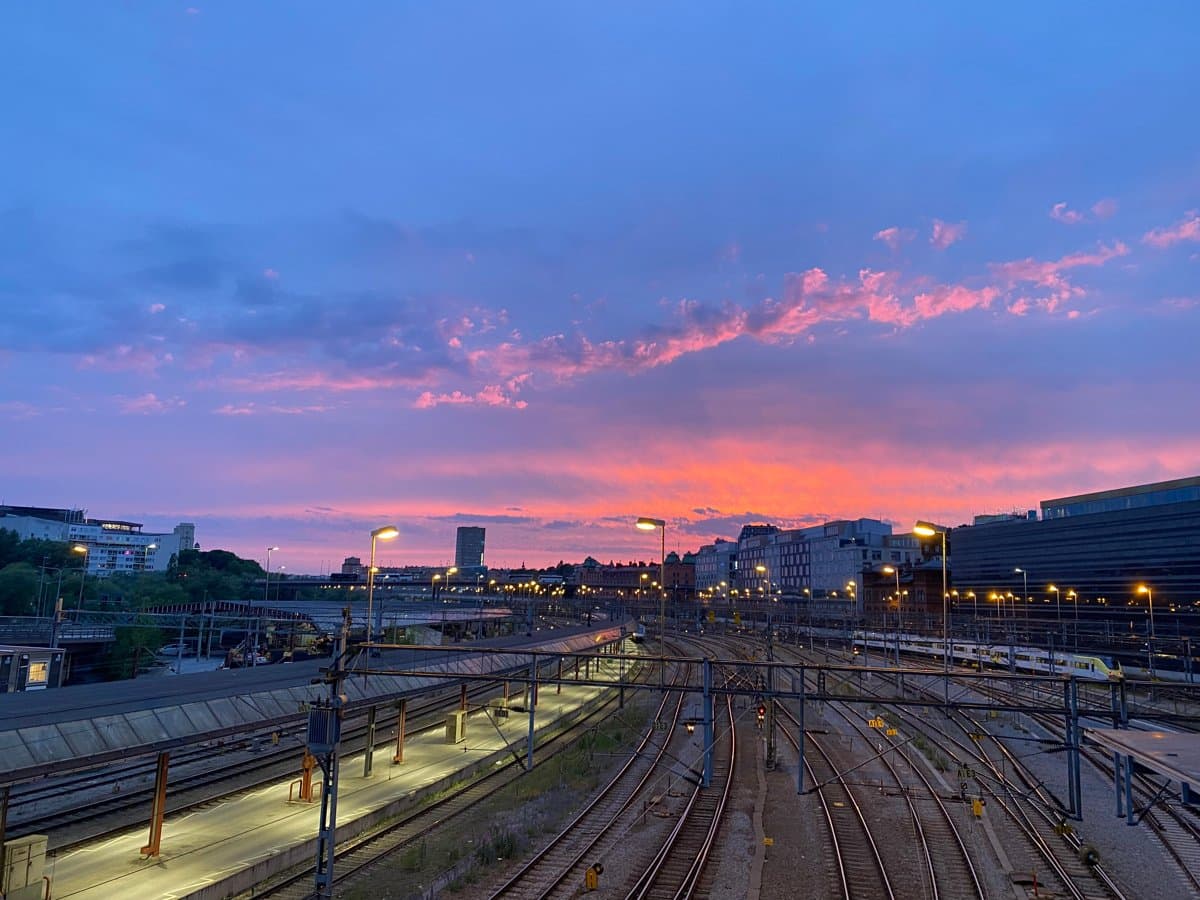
column 1100, row 545
column 113, row 546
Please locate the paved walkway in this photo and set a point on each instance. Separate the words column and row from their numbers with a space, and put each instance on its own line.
column 206, row 845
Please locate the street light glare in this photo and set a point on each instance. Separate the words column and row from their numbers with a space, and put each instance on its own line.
column 383, row 533
column 926, row 529
column 79, row 548
column 646, row 523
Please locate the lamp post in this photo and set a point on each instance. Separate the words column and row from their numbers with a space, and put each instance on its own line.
column 894, row 570
column 928, row 529
column 81, row 548
column 267, row 579
column 647, row 523
column 382, row 533
column 1025, row 591
column 1145, row 589
column 1075, row 597
column 1057, row 601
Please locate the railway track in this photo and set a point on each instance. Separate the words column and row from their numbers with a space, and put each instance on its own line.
column 678, row 867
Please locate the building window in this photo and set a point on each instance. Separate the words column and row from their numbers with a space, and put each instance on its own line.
column 39, row 672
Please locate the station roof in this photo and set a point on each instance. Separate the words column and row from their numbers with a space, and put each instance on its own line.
column 1174, row 754
column 58, row 730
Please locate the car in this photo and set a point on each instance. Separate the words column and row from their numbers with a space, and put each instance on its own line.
column 174, row 651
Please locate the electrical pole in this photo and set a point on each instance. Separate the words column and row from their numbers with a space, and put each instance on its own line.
column 324, row 735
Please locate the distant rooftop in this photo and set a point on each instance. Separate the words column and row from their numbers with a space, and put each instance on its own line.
column 1179, row 490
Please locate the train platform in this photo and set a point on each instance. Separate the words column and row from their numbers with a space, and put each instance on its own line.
column 1174, row 755
column 227, row 847
column 52, row 732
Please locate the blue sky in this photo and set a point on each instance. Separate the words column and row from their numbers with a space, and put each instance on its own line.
column 291, row 270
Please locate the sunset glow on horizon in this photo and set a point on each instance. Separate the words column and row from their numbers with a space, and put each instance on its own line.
column 292, row 276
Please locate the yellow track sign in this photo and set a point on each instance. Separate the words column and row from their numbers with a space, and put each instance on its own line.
column 876, row 723
column 891, row 732
column 768, row 842
column 712, row 616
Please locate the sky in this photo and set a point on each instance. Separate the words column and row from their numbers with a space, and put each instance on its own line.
column 292, row 271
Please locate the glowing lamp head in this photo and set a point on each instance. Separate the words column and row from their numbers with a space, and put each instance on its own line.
column 645, row 523
column 79, row 548
column 385, row 532
column 926, row 529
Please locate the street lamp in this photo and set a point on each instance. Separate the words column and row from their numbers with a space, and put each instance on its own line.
column 81, row 548
column 766, row 574
column 928, row 529
column 1057, row 601
column 647, row 523
column 1145, row 589
column 382, row 533
column 894, row 570
column 267, row 579
column 1025, row 581
column 450, row 571
column 1074, row 596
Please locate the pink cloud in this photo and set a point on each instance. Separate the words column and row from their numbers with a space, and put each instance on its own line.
column 1050, row 274
column 490, row 395
column 1060, row 213
column 148, row 405
column 18, row 409
column 317, row 381
column 894, row 236
column 1187, row 229
column 270, row 274
column 946, row 233
column 156, row 308
column 125, row 358
column 1104, row 208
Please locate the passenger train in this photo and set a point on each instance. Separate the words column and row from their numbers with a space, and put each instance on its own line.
column 639, row 633
column 976, row 655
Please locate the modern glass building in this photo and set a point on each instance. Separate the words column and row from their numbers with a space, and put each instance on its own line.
column 1099, row 545
column 468, row 547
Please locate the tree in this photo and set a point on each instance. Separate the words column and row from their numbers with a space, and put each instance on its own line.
column 18, row 588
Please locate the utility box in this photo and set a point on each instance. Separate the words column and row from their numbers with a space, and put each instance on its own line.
column 24, row 865
column 456, row 727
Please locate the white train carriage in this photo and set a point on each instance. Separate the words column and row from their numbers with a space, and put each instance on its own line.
column 1021, row 659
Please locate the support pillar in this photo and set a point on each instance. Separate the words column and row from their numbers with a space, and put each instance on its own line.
column 369, row 752
column 532, row 704
column 1130, row 818
column 1118, row 786
column 462, row 697
column 771, row 701
column 307, row 764
column 708, row 723
column 399, row 755
column 1073, row 735
column 558, row 684
column 800, row 738
column 159, row 806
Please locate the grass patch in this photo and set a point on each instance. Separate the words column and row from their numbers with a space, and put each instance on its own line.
column 930, row 752
column 511, row 823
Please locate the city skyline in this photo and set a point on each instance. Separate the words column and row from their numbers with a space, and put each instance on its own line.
column 544, row 271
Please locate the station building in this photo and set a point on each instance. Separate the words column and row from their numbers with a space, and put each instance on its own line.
column 1100, row 545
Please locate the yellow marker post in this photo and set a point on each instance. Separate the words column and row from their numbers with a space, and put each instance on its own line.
column 768, row 842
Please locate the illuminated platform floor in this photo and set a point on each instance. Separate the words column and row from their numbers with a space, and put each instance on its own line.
column 205, row 846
